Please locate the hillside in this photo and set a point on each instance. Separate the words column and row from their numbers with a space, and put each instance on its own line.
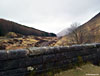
column 25, row 42
column 93, row 25
column 7, row 26
column 90, row 28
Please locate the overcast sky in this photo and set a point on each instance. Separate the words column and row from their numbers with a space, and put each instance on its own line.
column 49, row 15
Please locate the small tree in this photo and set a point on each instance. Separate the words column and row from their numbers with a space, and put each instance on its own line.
column 74, row 33
column 79, row 35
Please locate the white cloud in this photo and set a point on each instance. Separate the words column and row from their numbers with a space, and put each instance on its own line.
column 49, row 15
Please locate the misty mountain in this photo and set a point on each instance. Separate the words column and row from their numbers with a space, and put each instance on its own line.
column 62, row 33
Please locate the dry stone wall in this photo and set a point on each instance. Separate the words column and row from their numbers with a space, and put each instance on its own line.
column 39, row 59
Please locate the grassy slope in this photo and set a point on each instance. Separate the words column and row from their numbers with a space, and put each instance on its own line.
column 23, row 42
column 82, row 71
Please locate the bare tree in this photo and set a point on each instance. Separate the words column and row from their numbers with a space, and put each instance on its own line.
column 79, row 35
column 73, row 33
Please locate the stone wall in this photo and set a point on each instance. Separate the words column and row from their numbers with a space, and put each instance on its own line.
column 18, row 62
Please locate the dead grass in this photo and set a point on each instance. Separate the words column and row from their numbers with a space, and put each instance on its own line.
column 82, row 71
column 23, row 42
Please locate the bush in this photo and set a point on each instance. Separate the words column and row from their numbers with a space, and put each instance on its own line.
column 80, row 61
column 11, row 35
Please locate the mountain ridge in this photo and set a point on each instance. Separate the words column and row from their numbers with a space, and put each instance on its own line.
column 90, row 32
column 64, row 32
column 10, row 26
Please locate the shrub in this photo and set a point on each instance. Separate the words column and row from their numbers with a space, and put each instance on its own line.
column 11, row 35
column 80, row 61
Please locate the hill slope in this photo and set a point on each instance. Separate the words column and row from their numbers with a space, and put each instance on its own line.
column 9, row 26
column 24, row 42
column 92, row 26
